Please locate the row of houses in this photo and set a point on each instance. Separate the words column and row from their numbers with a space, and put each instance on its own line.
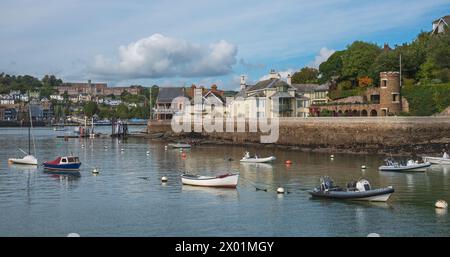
column 252, row 101
column 40, row 110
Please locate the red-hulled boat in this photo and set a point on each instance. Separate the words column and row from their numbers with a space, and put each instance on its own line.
column 64, row 163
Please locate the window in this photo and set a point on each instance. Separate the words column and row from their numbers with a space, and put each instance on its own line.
column 384, row 83
column 64, row 160
column 395, row 98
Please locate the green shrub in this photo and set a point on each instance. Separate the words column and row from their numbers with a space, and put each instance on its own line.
column 425, row 100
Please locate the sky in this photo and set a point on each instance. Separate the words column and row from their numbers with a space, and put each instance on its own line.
column 179, row 43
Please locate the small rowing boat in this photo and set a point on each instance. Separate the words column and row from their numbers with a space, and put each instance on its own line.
column 64, row 163
column 391, row 165
column 360, row 191
column 224, row 180
column 179, row 145
column 257, row 159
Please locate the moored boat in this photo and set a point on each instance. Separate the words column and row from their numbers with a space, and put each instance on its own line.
column 179, row 145
column 438, row 160
column 64, row 163
column 391, row 165
column 257, row 159
column 26, row 160
column 360, row 191
column 225, row 180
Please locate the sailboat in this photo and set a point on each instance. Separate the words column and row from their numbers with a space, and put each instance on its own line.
column 28, row 159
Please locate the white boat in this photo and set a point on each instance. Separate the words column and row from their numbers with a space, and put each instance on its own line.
column 28, row 159
column 436, row 160
column 409, row 166
column 256, row 159
column 225, row 180
column 445, row 159
column 179, row 145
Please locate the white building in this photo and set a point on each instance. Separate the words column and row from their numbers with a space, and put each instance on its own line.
column 440, row 24
column 269, row 98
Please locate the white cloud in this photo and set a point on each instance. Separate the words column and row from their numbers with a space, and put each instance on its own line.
column 159, row 56
column 324, row 54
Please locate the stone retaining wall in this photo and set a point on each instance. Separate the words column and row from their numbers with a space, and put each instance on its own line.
column 352, row 134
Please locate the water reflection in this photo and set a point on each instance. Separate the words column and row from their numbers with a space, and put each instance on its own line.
column 225, row 193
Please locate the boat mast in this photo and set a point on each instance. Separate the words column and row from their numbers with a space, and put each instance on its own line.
column 29, row 125
column 400, row 70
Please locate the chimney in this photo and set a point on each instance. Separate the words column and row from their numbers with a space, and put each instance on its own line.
column 273, row 74
column 243, row 85
column 289, row 79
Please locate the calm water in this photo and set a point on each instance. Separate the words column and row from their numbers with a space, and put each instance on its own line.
column 128, row 199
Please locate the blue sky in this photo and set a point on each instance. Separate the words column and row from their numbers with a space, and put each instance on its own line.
column 175, row 43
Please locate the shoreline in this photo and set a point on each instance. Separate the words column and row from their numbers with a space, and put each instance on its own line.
column 403, row 136
column 403, row 150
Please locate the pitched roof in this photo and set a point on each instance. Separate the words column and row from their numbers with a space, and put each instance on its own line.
column 311, row 87
column 167, row 94
column 445, row 18
column 269, row 83
column 281, row 95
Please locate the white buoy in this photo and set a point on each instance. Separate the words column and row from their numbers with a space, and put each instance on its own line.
column 73, row 235
column 82, row 146
column 441, row 204
column 363, row 167
column 280, row 190
column 373, row 235
column 122, row 149
column 331, row 156
column 148, row 153
column 165, row 147
column 105, row 147
column 164, row 179
column 95, row 171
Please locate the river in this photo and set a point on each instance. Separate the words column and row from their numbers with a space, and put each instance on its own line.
column 127, row 198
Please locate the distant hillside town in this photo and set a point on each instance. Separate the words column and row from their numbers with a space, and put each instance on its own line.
column 362, row 80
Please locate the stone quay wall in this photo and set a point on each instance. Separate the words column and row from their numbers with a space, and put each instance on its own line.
column 344, row 134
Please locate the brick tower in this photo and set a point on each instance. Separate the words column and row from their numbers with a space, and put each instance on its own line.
column 390, row 101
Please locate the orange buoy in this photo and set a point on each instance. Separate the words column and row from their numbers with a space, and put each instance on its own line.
column 288, row 162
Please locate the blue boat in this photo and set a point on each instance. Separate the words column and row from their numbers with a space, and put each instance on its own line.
column 64, row 163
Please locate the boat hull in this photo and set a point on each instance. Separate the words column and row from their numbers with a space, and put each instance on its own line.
column 228, row 181
column 258, row 160
column 415, row 167
column 376, row 195
column 27, row 160
column 436, row 160
column 62, row 167
column 179, row 145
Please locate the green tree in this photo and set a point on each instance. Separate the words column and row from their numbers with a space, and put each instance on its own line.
column 331, row 68
column 305, row 75
column 358, row 59
column 90, row 108
column 122, row 111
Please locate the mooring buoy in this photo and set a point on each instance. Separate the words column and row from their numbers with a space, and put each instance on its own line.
column 95, row 171
column 280, row 190
column 164, row 179
column 441, row 204
column 363, row 167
